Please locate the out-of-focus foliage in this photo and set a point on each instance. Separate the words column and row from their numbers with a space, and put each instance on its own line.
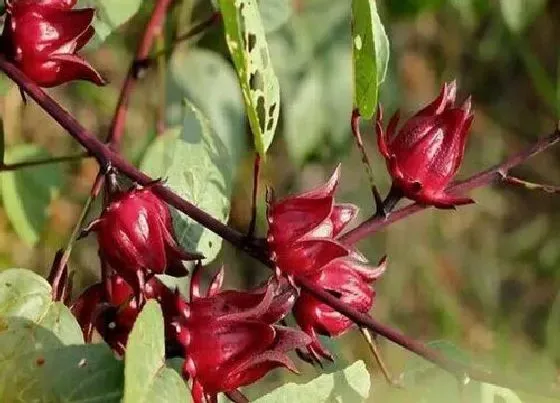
column 485, row 277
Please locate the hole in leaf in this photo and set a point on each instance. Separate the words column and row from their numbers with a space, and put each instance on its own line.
column 251, row 42
column 261, row 113
column 271, row 109
column 256, row 81
column 270, row 124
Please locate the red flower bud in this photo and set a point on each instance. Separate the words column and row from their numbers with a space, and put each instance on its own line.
column 350, row 281
column 135, row 235
column 42, row 38
column 302, row 239
column 425, row 154
column 229, row 338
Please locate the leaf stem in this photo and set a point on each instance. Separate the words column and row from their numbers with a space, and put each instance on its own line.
column 256, row 172
column 355, row 125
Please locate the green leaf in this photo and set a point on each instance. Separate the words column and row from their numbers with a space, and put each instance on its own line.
column 28, row 192
column 26, row 295
column 57, row 373
column 110, row 14
column 205, row 78
column 246, row 41
column 370, row 55
column 519, row 14
column 38, row 361
column 427, row 383
column 349, row 385
column 197, row 166
column 147, row 379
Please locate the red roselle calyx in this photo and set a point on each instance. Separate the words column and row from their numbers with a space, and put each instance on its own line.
column 42, row 38
column 425, row 154
column 229, row 337
column 136, row 239
column 302, row 237
column 112, row 310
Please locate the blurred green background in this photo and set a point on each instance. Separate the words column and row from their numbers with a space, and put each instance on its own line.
column 485, row 277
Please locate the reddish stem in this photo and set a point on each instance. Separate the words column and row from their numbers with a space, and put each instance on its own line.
column 153, row 28
column 483, row 178
column 103, row 154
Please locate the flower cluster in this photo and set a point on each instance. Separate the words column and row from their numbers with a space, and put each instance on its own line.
column 425, row 154
column 302, row 239
column 230, row 338
column 42, row 38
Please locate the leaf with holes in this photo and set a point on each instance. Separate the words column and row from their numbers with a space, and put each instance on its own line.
column 247, row 45
column 197, row 166
column 349, row 385
column 28, row 192
column 146, row 377
column 370, row 55
column 41, row 348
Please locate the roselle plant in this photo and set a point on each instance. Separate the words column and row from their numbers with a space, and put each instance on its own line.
column 149, row 329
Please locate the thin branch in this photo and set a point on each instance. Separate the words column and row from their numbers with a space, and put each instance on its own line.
column 215, row 18
column 153, row 28
column 512, row 180
column 492, row 174
column 45, row 161
column 103, row 154
column 355, row 126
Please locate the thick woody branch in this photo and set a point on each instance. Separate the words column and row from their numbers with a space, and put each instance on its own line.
column 104, row 154
column 484, row 178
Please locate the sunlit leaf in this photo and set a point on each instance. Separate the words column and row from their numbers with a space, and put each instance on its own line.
column 349, row 385
column 370, row 55
column 247, row 45
column 147, row 379
column 197, row 166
